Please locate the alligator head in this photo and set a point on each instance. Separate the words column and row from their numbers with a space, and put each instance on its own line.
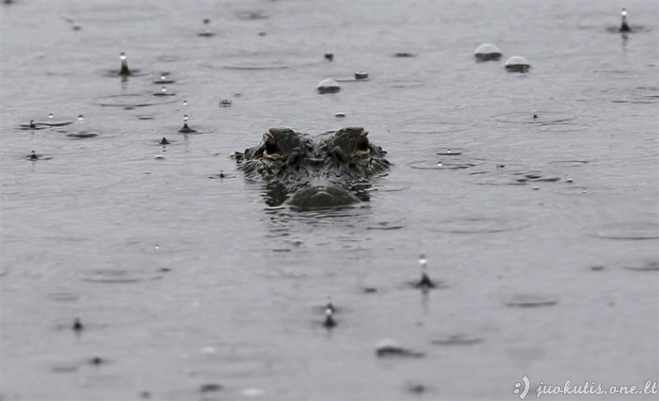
column 314, row 173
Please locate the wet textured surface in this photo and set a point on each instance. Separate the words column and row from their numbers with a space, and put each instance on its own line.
column 195, row 288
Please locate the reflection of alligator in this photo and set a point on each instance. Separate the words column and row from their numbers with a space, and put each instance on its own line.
column 333, row 170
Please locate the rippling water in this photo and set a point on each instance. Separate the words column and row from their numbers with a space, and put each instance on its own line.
column 541, row 231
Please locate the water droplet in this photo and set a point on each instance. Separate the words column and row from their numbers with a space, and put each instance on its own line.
column 423, row 262
column 163, row 77
column 185, row 119
column 163, row 89
column 329, row 317
column 583, row 191
column 156, row 247
column 50, row 115
column 624, row 12
column 185, row 103
column 81, row 117
column 124, row 65
column 440, row 164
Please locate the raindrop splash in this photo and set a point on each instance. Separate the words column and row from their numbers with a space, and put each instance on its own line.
column 77, row 325
column 329, row 322
column 624, row 26
column 186, row 129
column 125, row 71
column 425, row 283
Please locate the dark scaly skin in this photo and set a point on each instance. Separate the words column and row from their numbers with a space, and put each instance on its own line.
column 312, row 174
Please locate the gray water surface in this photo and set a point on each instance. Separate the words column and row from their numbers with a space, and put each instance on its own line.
column 542, row 232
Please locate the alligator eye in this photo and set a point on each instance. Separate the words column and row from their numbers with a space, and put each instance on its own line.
column 271, row 147
column 270, row 143
column 362, row 143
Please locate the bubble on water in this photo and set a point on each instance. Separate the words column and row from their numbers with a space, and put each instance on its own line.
column 439, row 164
column 361, row 75
column 80, row 117
column 486, row 52
column 328, row 85
column 517, row 64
